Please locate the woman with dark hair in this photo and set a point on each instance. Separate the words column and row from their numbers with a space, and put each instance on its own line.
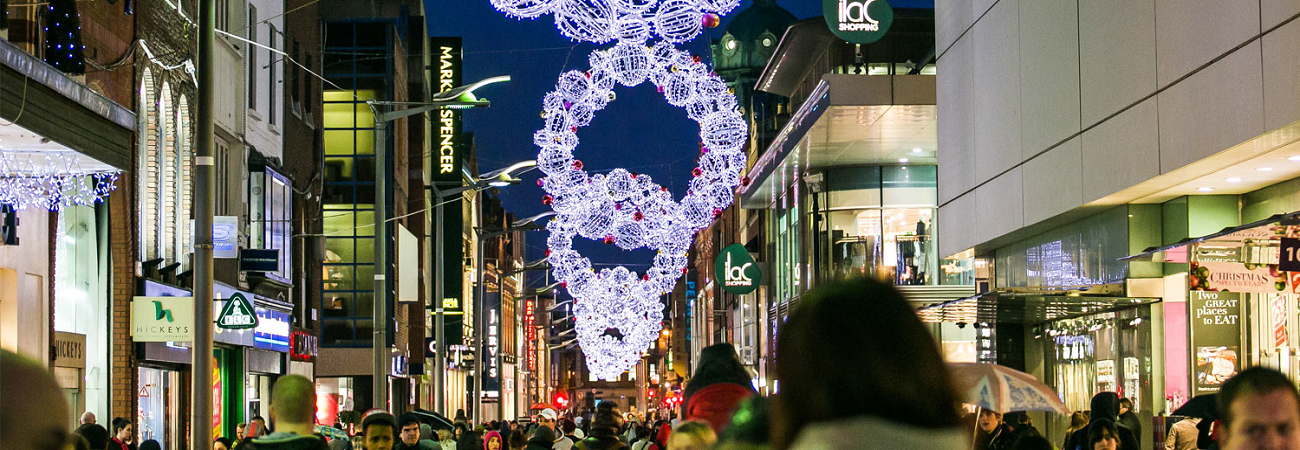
column 858, row 370
column 150, row 445
column 517, row 441
column 121, row 433
column 604, row 430
column 1078, row 421
column 223, row 443
column 1103, row 434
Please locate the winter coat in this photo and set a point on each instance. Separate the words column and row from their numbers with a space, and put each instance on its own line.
column 1131, row 421
column 870, row 433
column 1105, row 405
column 284, row 441
column 602, row 439
column 1002, row 438
column 539, row 443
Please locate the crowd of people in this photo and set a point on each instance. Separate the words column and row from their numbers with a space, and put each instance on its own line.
column 858, row 370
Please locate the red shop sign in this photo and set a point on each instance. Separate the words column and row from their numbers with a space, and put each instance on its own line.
column 303, row 346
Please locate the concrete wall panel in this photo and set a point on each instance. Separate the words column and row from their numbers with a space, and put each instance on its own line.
column 1053, row 183
column 1190, row 33
column 956, row 121
column 999, row 206
column 1049, row 73
column 997, row 90
column 1281, row 84
column 1274, row 12
column 957, row 225
column 951, row 19
column 1117, row 53
column 1216, row 108
column 1121, row 152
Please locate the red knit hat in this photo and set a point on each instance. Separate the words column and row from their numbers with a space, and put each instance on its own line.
column 714, row 404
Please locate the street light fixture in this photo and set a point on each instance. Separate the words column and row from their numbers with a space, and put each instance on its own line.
column 455, row 98
column 497, row 178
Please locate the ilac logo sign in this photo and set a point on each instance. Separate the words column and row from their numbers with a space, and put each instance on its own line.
column 739, row 272
column 858, row 21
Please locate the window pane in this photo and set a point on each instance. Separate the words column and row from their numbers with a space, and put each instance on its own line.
column 339, row 250
column 339, row 223
column 365, row 250
column 365, row 304
column 338, row 278
column 338, row 142
column 335, row 332
column 338, row 304
column 365, row 220
column 338, row 115
column 365, row 141
column 365, row 169
column 339, row 170
column 365, row 278
column 365, row 331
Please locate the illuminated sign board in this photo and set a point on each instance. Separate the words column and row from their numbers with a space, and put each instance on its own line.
column 739, row 272
column 272, row 332
column 858, row 21
column 162, row 319
column 303, row 346
column 530, row 333
column 447, row 51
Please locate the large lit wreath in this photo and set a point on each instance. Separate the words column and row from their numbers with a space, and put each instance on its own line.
column 619, row 314
column 601, row 21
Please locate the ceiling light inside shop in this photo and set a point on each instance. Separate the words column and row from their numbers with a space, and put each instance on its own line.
column 1232, row 179
column 1206, row 189
column 1295, row 158
column 902, row 160
column 1265, row 169
column 916, row 150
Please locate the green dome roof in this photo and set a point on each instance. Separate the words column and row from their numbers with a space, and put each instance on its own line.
column 763, row 15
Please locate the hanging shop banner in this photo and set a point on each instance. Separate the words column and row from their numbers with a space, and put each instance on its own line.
column 491, row 345
column 259, row 260
column 1277, row 309
column 1216, row 338
column 237, row 314
column 858, row 21
column 69, row 350
column 162, row 319
column 447, row 70
column 303, row 346
column 740, row 274
column 530, row 333
column 1236, row 277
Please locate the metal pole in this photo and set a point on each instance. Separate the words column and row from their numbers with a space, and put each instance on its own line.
column 501, row 385
column 379, row 388
column 205, row 204
column 440, row 332
column 479, row 314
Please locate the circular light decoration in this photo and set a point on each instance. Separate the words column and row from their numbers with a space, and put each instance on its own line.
column 619, row 313
column 601, row 21
column 51, row 181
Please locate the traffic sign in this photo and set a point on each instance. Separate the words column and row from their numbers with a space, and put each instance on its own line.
column 237, row 314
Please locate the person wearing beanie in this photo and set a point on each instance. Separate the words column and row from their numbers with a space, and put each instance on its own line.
column 719, row 385
column 604, row 430
column 379, row 427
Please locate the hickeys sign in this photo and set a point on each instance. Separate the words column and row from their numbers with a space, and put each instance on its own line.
column 858, row 21
column 162, row 319
column 737, row 270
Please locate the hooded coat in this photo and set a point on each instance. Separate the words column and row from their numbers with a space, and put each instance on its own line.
column 1105, row 405
column 717, row 387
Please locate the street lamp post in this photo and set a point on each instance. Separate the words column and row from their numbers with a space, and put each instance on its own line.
column 456, row 98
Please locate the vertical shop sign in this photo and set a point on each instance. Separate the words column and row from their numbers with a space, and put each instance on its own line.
column 447, row 50
column 530, row 333
column 491, row 345
column 216, row 394
column 1216, row 338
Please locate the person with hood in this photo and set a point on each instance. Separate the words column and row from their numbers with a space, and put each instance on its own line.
column 604, row 430
column 493, row 441
column 991, row 433
column 1128, row 418
column 426, row 437
column 1105, row 405
column 542, row 439
column 718, row 385
column 895, row 391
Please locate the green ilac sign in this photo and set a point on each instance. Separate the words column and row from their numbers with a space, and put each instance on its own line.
column 738, row 272
column 858, row 21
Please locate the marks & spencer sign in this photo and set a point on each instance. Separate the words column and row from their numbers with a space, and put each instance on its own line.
column 858, row 21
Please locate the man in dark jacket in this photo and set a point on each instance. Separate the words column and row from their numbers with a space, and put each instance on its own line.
column 1128, row 419
column 293, row 405
column 542, row 439
column 604, row 430
column 717, row 387
column 1105, row 405
column 992, row 433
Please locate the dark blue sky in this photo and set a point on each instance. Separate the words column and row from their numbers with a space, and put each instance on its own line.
column 638, row 131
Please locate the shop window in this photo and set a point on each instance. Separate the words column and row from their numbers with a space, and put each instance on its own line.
column 150, row 170
column 271, row 212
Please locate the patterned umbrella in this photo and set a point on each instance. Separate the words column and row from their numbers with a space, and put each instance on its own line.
column 1001, row 389
column 331, row 432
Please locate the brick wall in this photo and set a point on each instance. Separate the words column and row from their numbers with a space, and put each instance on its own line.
column 122, row 247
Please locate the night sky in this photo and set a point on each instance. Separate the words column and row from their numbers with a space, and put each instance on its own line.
column 639, row 131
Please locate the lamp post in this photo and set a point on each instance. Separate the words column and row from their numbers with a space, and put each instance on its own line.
column 497, row 178
column 461, row 97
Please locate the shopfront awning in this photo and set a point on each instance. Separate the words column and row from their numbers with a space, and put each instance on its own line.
column 1178, row 252
column 1027, row 307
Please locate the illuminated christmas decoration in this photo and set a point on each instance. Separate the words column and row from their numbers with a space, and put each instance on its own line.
column 618, row 313
column 53, row 182
column 601, row 21
column 63, row 47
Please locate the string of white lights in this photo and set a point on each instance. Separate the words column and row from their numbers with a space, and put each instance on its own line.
column 601, row 21
column 619, row 314
column 51, row 181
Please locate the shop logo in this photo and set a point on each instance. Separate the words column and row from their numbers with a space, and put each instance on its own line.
column 740, row 274
column 237, row 314
column 858, row 21
column 160, row 313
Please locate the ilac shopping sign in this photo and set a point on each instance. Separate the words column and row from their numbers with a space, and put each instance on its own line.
column 858, row 21
column 737, row 270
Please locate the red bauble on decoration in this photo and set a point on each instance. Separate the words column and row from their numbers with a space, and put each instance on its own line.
column 711, row 20
column 609, row 240
column 744, row 181
column 697, row 172
column 541, row 182
column 547, row 199
column 637, row 216
column 577, row 164
column 717, row 212
column 696, row 58
column 548, row 252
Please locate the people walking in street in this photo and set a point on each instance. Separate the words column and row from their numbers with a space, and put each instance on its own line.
column 893, row 393
column 1258, row 408
column 517, row 441
column 716, row 387
column 150, row 445
column 550, row 419
column 493, row 441
column 426, row 437
column 222, row 443
column 1182, row 435
column 122, row 430
column 1032, row 442
column 293, row 406
column 991, row 433
column 240, row 430
column 1104, row 434
column 568, row 431
column 380, row 429
column 446, row 440
column 1105, row 406
column 604, row 430
column 27, row 387
column 543, row 438
column 1128, row 417
column 692, row 435
column 1078, row 421
column 96, row 435
column 409, row 424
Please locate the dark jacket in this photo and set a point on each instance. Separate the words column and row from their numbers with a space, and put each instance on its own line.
column 601, row 439
column 1002, row 438
column 284, row 441
column 1105, row 405
column 541, row 439
column 1131, row 421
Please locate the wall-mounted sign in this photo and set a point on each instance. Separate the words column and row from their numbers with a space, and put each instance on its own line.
column 858, row 21
column 237, row 314
column 259, row 260
column 408, row 266
column 1216, row 338
column 447, row 50
column 303, row 346
column 739, row 273
column 399, row 365
column 430, row 348
column 162, row 319
column 69, row 350
column 272, row 331
column 530, row 333
column 225, row 237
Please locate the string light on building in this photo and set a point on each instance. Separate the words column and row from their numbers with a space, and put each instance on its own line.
column 602, row 21
column 51, row 181
column 618, row 313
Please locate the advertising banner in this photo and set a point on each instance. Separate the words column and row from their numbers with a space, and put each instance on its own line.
column 491, row 345
column 1236, row 277
column 162, row 319
column 1216, row 338
column 858, row 21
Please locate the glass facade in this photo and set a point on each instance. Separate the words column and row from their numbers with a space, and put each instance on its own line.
column 877, row 222
column 358, row 60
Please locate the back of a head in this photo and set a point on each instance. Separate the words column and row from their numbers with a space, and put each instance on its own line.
column 1105, row 405
column 896, row 372
column 1102, row 429
column 517, row 440
column 426, row 431
column 1251, row 382
column 150, row 445
column 607, row 418
column 692, row 435
column 542, row 434
column 293, row 400
column 718, row 363
column 96, row 435
column 1032, row 442
column 26, row 387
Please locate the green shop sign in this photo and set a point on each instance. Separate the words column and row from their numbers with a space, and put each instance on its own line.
column 858, row 21
column 739, row 272
column 238, row 314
